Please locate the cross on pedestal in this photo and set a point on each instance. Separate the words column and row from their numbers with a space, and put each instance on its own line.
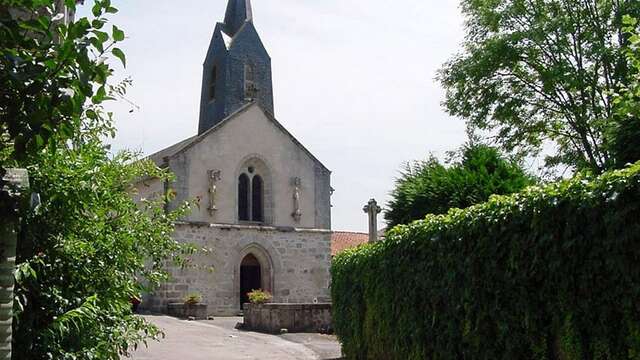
column 373, row 210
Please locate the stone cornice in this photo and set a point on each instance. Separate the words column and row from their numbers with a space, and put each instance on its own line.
column 251, row 227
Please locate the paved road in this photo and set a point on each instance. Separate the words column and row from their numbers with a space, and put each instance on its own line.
column 218, row 340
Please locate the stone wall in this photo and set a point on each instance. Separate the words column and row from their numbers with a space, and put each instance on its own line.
column 295, row 266
column 298, row 318
column 186, row 311
column 228, row 149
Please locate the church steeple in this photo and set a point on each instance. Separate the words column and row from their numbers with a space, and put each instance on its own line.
column 238, row 12
column 237, row 69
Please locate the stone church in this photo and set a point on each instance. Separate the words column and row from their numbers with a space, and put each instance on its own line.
column 264, row 198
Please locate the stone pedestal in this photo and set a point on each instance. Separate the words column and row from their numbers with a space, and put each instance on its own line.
column 186, row 311
column 18, row 183
column 294, row 318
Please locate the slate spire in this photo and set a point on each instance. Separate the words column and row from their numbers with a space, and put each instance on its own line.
column 237, row 68
column 238, row 12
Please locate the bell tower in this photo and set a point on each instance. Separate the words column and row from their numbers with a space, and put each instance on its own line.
column 237, row 68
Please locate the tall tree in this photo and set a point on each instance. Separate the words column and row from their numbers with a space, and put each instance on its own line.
column 87, row 249
column 625, row 145
column 539, row 71
column 50, row 67
column 429, row 187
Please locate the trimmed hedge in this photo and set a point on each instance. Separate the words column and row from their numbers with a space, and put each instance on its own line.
column 549, row 273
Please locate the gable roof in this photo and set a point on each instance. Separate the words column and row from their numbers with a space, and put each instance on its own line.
column 178, row 148
column 159, row 156
column 343, row 240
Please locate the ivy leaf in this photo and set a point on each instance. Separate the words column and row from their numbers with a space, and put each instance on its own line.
column 97, row 9
column 629, row 20
column 118, row 35
column 39, row 141
column 120, row 55
column 100, row 96
column 98, row 23
column 101, row 35
column 97, row 44
column 71, row 4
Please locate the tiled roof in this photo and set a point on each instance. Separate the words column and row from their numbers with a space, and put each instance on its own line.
column 343, row 240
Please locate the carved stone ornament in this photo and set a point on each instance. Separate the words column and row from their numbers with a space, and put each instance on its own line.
column 297, row 212
column 214, row 177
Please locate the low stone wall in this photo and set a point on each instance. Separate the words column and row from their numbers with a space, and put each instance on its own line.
column 184, row 311
column 295, row 318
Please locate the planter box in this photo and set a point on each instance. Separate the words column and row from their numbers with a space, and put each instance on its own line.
column 184, row 311
column 295, row 318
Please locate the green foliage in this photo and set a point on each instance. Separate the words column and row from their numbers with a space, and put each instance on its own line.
column 193, row 299
column 429, row 187
column 87, row 251
column 533, row 72
column 626, row 135
column 548, row 273
column 49, row 69
column 259, row 297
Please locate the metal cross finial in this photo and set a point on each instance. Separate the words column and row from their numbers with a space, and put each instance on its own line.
column 373, row 210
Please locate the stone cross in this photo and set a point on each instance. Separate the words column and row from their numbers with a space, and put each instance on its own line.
column 373, row 210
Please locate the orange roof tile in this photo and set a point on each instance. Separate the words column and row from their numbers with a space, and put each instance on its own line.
column 343, row 240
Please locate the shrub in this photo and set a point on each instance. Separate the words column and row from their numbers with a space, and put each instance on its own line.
column 86, row 251
column 548, row 273
column 192, row 299
column 259, row 297
column 428, row 187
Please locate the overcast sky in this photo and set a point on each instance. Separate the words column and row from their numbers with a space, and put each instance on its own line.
column 354, row 81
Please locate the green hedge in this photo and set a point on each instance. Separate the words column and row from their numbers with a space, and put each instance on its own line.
column 549, row 273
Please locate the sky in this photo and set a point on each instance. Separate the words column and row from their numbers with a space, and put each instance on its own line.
column 354, row 81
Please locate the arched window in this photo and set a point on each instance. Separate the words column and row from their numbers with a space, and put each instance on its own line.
column 243, row 198
column 253, row 192
column 212, row 84
column 257, row 199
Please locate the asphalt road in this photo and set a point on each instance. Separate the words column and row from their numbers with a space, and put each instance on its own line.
column 218, row 340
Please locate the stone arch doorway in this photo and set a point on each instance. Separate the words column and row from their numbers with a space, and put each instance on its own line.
column 250, row 277
column 246, row 261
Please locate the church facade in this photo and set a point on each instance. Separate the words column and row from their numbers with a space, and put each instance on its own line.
column 264, row 211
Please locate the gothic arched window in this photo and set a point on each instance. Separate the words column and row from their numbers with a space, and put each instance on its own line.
column 253, row 192
column 257, row 199
column 243, row 198
column 212, row 83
